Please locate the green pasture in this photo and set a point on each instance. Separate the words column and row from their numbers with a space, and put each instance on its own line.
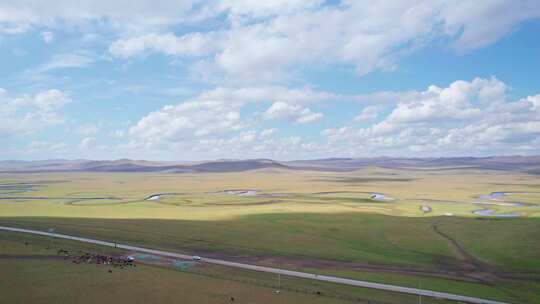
column 46, row 280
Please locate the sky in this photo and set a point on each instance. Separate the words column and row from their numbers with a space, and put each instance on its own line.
column 280, row 79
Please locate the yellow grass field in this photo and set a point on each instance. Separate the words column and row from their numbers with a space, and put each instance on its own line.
column 445, row 191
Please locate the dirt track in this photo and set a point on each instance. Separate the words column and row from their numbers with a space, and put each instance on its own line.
column 462, row 253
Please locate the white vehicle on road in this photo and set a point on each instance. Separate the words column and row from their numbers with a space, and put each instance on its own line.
column 196, row 258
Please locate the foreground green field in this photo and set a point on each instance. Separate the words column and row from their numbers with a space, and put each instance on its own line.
column 393, row 245
column 29, row 263
column 319, row 222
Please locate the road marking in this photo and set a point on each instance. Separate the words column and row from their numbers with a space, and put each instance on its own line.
column 305, row 275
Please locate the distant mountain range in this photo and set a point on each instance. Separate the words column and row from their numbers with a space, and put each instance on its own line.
column 529, row 164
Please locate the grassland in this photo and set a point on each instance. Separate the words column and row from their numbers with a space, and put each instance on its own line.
column 316, row 221
column 28, row 261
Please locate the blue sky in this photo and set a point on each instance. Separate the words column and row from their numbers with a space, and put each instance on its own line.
column 191, row 80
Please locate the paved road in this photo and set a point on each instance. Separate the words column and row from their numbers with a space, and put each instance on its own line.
column 305, row 275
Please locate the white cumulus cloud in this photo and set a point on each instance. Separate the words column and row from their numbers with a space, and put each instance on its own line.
column 267, row 40
column 187, row 121
column 465, row 117
column 368, row 113
column 87, row 142
column 194, row 44
column 29, row 113
column 296, row 113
